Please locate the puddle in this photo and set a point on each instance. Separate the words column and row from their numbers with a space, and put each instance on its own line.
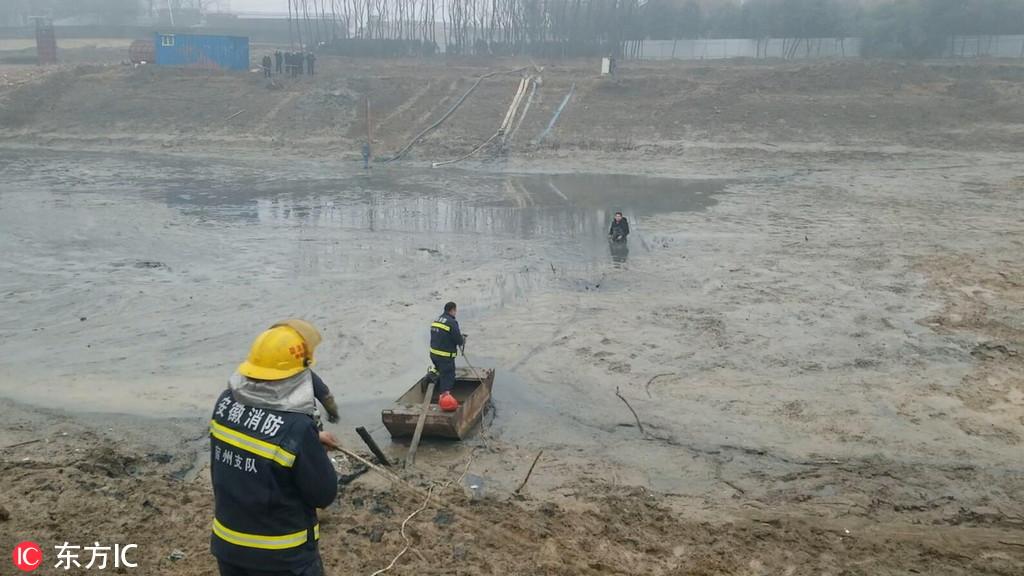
column 570, row 213
column 476, row 484
column 391, row 199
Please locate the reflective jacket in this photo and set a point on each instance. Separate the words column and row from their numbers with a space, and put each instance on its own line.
column 270, row 473
column 445, row 337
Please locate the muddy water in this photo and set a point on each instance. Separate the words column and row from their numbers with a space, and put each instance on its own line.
column 128, row 283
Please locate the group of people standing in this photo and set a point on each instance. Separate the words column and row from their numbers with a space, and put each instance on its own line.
column 293, row 63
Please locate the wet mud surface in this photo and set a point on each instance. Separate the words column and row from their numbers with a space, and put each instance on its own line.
column 136, row 266
column 804, row 370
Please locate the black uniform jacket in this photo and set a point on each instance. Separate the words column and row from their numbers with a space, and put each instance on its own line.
column 619, row 229
column 445, row 337
column 270, row 473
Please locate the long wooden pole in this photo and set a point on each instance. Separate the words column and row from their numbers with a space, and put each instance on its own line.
column 411, row 456
column 383, row 472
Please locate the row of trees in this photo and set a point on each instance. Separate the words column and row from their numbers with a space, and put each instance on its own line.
column 548, row 27
column 916, row 28
column 910, row 28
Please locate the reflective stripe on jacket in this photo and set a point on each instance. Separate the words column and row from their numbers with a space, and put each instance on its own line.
column 445, row 337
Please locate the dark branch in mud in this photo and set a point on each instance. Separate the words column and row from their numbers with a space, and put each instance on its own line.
column 647, row 387
column 529, row 473
column 733, row 486
column 721, row 478
column 638, row 423
column 25, row 443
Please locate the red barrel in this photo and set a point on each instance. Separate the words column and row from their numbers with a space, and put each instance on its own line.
column 142, row 51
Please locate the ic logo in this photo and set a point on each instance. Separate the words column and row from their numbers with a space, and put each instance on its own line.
column 27, row 556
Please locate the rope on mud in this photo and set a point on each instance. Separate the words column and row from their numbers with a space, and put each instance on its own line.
column 404, row 537
column 451, row 111
column 487, row 528
column 423, row 507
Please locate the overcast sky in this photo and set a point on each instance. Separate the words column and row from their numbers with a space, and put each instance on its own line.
column 259, row 5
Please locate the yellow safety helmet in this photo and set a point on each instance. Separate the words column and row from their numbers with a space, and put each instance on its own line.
column 277, row 354
column 308, row 332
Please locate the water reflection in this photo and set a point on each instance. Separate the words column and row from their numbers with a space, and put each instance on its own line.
column 619, row 250
column 523, row 206
column 432, row 214
column 418, row 208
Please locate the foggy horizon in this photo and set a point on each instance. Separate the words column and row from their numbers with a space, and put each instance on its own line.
column 258, row 5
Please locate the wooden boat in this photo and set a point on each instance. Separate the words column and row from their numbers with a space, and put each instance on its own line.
column 472, row 390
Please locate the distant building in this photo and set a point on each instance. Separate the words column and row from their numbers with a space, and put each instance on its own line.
column 202, row 51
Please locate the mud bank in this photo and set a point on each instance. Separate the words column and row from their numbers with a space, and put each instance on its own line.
column 657, row 109
column 83, row 483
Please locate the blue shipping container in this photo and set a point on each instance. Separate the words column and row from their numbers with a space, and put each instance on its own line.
column 202, row 51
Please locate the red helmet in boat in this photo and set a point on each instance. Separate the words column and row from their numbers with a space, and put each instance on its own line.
column 447, row 402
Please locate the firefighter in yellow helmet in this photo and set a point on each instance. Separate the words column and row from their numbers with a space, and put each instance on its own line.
column 320, row 390
column 268, row 463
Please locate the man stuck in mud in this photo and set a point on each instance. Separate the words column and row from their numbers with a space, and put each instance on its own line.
column 268, row 463
column 619, row 229
column 617, row 235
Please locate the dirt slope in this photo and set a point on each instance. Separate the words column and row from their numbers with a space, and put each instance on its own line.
column 656, row 107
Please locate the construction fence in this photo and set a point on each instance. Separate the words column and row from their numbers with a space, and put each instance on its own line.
column 720, row 48
column 1004, row 46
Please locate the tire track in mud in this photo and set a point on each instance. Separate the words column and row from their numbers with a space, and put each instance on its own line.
column 574, row 319
column 272, row 115
column 440, row 105
column 404, row 107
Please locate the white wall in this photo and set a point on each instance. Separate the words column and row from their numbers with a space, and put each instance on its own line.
column 997, row 46
column 719, row 48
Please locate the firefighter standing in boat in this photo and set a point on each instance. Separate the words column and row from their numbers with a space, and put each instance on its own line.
column 445, row 340
column 268, row 463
